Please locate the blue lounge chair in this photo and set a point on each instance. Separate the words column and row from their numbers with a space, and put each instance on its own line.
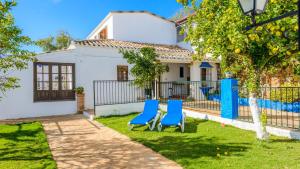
column 150, row 114
column 174, row 116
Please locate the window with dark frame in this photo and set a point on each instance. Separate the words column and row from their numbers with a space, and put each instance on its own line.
column 206, row 74
column 181, row 72
column 122, row 73
column 54, row 81
column 203, row 74
column 180, row 36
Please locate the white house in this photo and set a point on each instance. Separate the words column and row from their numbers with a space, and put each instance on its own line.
column 47, row 86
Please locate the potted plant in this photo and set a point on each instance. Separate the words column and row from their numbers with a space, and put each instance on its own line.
column 80, row 99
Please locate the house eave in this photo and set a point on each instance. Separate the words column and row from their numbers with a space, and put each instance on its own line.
column 99, row 25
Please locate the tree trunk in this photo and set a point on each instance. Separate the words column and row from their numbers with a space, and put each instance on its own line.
column 261, row 133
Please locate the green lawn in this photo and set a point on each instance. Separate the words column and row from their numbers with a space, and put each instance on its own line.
column 24, row 146
column 207, row 144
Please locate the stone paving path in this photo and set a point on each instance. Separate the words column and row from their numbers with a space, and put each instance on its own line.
column 78, row 143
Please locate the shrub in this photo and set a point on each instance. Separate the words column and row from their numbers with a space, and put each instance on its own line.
column 79, row 90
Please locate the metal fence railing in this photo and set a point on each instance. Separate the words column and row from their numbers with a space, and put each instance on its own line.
column 195, row 94
column 110, row 92
column 281, row 105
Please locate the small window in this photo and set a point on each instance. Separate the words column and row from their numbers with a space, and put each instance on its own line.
column 54, row 81
column 206, row 74
column 122, row 73
column 181, row 72
column 180, row 36
column 103, row 33
column 203, row 74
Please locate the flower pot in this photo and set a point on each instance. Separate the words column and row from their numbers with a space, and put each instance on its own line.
column 80, row 103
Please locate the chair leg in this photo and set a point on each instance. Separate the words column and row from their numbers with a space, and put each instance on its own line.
column 159, row 127
column 130, row 126
column 182, row 127
column 149, row 126
column 154, row 121
column 183, row 122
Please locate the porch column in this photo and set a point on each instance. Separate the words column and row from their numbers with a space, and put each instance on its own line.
column 229, row 98
column 156, row 89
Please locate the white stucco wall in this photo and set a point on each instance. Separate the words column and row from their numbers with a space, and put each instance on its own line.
column 119, row 109
column 106, row 23
column 19, row 103
column 196, row 71
column 143, row 27
column 173, row 73
column 185, row 45
column 196, row 77
column 137, row 27
column 90, row 64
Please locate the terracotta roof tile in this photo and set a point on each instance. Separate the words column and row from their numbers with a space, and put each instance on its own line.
column 165, row 52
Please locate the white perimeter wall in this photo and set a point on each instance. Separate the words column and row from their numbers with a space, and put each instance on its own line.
column 143, row 27
column 239, row 124
column 90, row 64
column 119, row 109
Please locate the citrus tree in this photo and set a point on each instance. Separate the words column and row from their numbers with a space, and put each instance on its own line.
column 12, row 54
column 218, row 28
column 182, row 13
column 146, row 66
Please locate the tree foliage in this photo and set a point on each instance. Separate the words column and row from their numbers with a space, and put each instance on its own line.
column 13, row 56
column 61, row 41
column 146, row 68
column 218, row 27
column 182, row 13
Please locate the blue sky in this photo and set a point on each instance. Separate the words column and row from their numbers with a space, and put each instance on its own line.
column 41, row 18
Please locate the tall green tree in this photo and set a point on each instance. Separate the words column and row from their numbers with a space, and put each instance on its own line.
column 218, row 28
column 61, row 41
column 13, row 56
column 146, row 66
column 182, row 13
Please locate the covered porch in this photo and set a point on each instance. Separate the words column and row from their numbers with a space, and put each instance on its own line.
column 192, row 80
